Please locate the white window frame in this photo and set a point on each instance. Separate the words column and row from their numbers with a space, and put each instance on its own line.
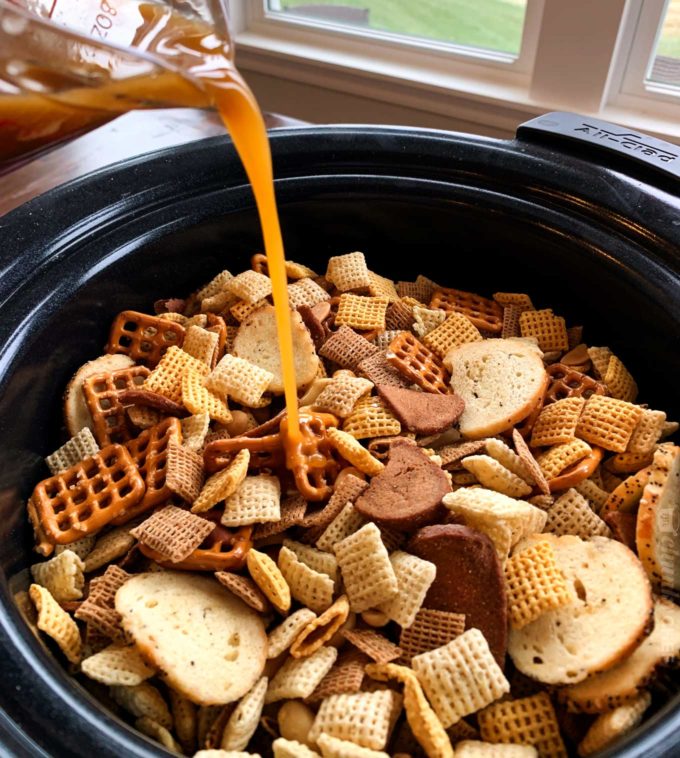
column 629, row 87
column 494, row 90
column 388, row 46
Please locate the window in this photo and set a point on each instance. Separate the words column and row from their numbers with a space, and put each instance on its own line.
column 484, row 24
column 474, row 65
column 665, row 68
column 646, row 70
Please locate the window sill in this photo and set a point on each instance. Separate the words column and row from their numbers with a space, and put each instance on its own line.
column 493, row 105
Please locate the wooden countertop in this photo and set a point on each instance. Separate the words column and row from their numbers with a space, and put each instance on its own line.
column 133, row 134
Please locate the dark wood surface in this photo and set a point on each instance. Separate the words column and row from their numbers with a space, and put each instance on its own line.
column 133, row 134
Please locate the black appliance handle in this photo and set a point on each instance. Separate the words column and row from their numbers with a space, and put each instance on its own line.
column 627, row 143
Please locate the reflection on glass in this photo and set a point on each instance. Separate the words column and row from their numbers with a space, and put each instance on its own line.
column 665, row 67
column 490, row 24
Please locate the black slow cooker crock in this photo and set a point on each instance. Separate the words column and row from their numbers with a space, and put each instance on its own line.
column 584, row 216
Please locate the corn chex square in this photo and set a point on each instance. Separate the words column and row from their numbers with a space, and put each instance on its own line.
column 62, row 575
column 81, row 446
column 571, row 514
column 426, row 320
column 549, row 330
column 282, row 748
column 348, row 272
column 619, row 381
column 647, row 432
column 520, row 299
column 223, row 484
column 245, row 719
column 479, row 749
column 593, row 493
column 306, row 292
column 494, row 475
column 508, row 458
column 250, row 286
column 201, row 344
column 430, row 629
column 414, row 577
column 345, row 523
column 213, row 304
column 608, row 423
column 370, row 417
column 322, row 629
column 117, row 665
column 505, row 520
column 268, row 577
column 194, row 430
column 293, row 509
column 610, row 726
column 242, row 309
column 527, row 721
column 361, row 312
column 383, row 339
column 556, row 424
column 534, row 584
column 319, row 560
column 230, row 336
column 366, row 570
column 354, row 452
column 240, row 379
column 332, row 747
column 455, row 330
column 299, row 677
column 460, row 678
column 381, row 286
column 82, row 547
column 309, row 587
column 600, row 358
column 282, row 637
column 166, row 378
column 341, row 394
column 109, row 546
column 560, row 457
column 215, row 285
column 256, row 501
column 56, row 623
column 364, row 718
column 143, row 700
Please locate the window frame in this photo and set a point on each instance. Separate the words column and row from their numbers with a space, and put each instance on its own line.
column 485, row 90
column 629, row 87
column 389, row 44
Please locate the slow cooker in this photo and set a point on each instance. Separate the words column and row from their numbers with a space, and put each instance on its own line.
column 583, row 215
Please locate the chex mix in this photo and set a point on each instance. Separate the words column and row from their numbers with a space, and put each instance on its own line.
column 468, row 549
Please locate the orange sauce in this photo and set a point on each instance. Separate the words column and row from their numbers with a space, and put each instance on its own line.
column 240, row 113
column 200, row 73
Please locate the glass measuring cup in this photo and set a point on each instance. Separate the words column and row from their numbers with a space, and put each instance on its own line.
column 67, row 66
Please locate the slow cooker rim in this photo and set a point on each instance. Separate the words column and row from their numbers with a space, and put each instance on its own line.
column 143, row 161
column 365, row 141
